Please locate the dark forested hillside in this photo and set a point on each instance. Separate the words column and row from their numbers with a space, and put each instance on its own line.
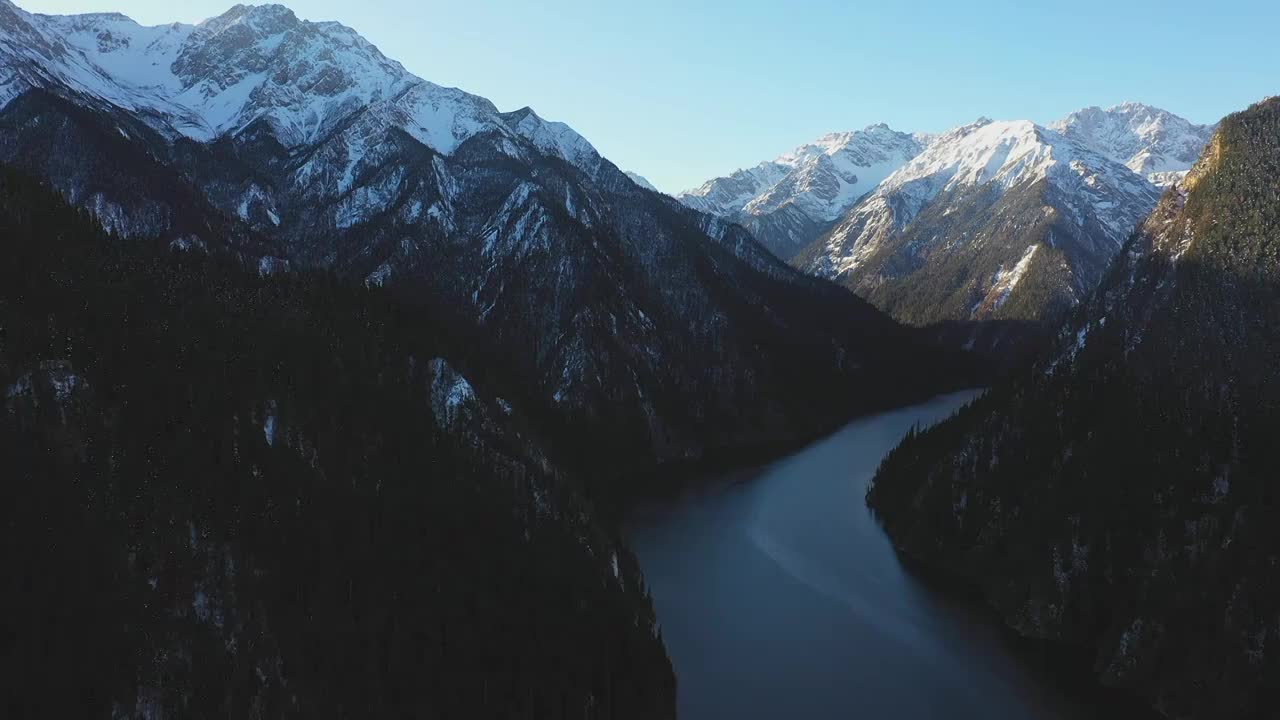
column 227, row 495
column 635, row 331
column 1123, row 495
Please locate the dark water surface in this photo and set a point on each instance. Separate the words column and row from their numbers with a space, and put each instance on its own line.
column 780, row 597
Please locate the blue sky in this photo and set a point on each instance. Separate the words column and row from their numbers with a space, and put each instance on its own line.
column 683, row 91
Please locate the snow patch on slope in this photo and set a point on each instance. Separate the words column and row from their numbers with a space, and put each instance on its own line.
column 451, row 394
column 1005, row 281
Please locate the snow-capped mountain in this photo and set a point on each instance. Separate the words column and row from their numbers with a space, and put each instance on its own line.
column 790, row 200
column 302, row 79
column 728, row 196
column 828, row 175
column 631, row 321
column 641, row 180
column 994, row 220
column 1152, row 142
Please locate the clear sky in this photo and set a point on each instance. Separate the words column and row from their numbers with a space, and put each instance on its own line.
column 684, row 90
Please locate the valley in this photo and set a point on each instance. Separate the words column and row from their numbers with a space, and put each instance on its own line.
column 331, row 390
column 780, row 596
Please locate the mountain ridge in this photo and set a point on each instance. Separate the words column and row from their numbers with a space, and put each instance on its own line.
column 1036, row 189
column 787, row 201
column 1152, row 142
column 642, row 181
column 776, row 202
column 997, row 229
column 211, row 79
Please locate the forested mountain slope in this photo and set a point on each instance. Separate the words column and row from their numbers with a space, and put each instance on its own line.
column 1123, row 495
column 235, row 495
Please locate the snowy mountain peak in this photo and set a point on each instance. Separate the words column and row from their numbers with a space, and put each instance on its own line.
column 814, row 184
column 976, row 166
column 1005, row 154
column 963, row 130
column 873, row 138
column 1152, row 142
column 641, row 180
column 834, row 142
column 1130, row 106
column 553, row 138
column 256, row 63
column 1140, row 117
column 984, row 152
column 264, row 19
column 99, row 17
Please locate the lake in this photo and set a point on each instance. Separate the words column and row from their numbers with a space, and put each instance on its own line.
column 780, row 597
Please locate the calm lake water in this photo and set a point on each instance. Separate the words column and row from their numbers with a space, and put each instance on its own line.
column 780, row 597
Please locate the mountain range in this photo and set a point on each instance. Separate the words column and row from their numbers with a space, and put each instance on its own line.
column 987, row 227
column 789, row 201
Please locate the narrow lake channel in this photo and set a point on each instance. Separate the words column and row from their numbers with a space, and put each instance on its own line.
column 780, row 597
